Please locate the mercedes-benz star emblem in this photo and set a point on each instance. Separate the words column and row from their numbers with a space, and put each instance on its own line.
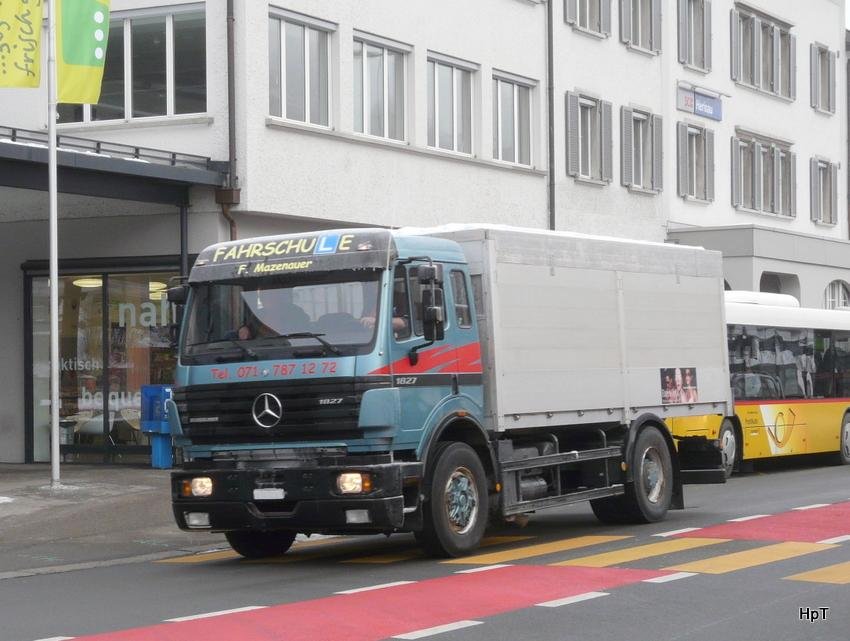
column 267, row 410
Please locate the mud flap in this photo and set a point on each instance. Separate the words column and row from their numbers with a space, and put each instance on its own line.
column 700, row 460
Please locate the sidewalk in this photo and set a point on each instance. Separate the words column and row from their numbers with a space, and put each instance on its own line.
column 102, row 513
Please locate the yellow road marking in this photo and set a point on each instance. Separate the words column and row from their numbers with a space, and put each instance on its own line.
column 535, row 550
column 751, row 558
column 837, row 574
column 640, row 552
column 407, row 555
column 222, row 555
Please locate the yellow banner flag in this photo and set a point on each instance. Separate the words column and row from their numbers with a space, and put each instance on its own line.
column 20, row 43
column 82, row 32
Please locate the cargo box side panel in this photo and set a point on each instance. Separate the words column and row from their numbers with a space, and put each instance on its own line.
column 556, row 340
column 672, row 333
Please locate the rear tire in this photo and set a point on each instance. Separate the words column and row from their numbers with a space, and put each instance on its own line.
column 651, row 491
column 259, row 545
column 844, row 452
column 455, row 513
column 729, row 446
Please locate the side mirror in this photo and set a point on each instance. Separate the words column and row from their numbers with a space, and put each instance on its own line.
column 431, row 273
column 433, row 318
column 177, row 295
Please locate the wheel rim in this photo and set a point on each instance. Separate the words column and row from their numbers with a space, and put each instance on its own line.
column 652, row 474
column 845, row 440
column 461, row 500
column 728, row 448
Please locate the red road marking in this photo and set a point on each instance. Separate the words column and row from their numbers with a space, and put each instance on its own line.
column 378, row 614
column 806, row 526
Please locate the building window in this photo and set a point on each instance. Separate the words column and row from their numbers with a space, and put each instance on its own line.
column 824, row 191
column 696, row 162
column 449, row 107
column 640, row 24
column 837, row 295
column 589, row 138
column 511, row 121
column 299, row 84
column 763, row 176
column 695, row 33
column 763, row 53
column 155, row 66
column 379, row 90
column 641, row 147
column 589, row 15
column 823, row 78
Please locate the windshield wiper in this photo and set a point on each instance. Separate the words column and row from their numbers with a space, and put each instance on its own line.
column 318, row 337
column 246, row 351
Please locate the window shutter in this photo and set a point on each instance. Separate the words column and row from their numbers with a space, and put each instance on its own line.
column 607, row 142
column 709, row 165
column 776, row 82
column 833, row 210
column 793, row 186
column 832, row 87
column 572, row 134
column 626, row 21
column 756, row 52
column 606, row 17
column 626, row 146
column 736, row 172
column 657, row 153
column 776, row 157
column 684, row 39
column 758, row 176
column 815, row 75
column 815, row 191
column 793, row 81
column 571, row 11
column 682, row 150
column 655, row 8
column 735, row 39
column 706, row 31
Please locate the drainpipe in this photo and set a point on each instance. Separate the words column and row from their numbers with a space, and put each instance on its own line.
column 229, row 195
column 550, row 73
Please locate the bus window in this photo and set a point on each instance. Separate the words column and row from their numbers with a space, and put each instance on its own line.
column 842, row 363
column 824, row 357
column 795, row 362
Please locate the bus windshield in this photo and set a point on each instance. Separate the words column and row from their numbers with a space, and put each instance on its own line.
column 329, row 313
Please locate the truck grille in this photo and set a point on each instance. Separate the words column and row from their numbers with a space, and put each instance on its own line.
column 315, row 410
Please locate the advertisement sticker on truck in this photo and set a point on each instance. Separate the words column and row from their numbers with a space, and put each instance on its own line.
column 679, row 385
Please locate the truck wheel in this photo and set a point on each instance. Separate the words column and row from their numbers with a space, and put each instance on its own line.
column 455, row 513
column 844, row 452
column 728, row 446
column 258, row 545
column 650, row 493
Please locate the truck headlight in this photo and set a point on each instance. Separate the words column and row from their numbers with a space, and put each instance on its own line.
column 198, row 486
column 354, row 483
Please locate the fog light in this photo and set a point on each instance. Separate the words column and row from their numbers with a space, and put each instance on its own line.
column 197, row 519
column 357, row 516
column 354, row 483
column 202, row 486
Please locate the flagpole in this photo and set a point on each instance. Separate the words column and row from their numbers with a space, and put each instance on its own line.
column 54, row 245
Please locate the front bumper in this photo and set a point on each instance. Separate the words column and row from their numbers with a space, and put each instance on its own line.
column 311, row 502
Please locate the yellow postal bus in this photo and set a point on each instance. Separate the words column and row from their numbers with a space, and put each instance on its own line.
column 790, row 375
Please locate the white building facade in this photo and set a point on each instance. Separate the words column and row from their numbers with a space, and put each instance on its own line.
column 714, row 123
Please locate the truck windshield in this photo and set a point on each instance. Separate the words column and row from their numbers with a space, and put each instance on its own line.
column 327, row 314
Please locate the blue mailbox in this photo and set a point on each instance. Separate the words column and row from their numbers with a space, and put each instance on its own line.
column 155, row 424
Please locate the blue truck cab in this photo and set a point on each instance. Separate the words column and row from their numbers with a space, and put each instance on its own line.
column 321, row 379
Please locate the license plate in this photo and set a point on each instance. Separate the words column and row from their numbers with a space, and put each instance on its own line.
column 269, row 494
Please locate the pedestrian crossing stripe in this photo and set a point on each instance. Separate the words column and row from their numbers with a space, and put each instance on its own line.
column 639, row 552
column 751, row 558
column 838, row 574
column 540, row 549
column 409, row 555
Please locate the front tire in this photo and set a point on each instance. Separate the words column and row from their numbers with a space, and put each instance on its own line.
column 728, row 439
column 844, row 452
column 651, row 492
column 259, row 545
column 455, row 513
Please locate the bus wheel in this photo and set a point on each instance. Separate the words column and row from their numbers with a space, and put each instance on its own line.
column 844, row 452
column 728, row 446
column 257, row 545
column 650, row 493
column 455, row 513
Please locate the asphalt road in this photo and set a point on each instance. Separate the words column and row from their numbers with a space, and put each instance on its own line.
column 741, row 580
